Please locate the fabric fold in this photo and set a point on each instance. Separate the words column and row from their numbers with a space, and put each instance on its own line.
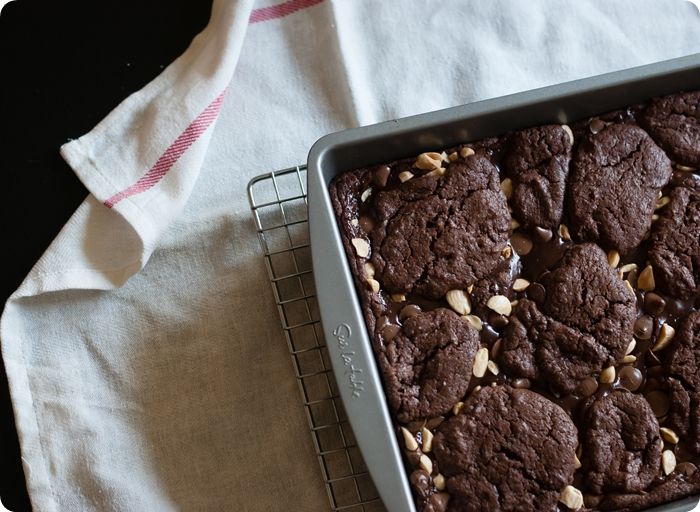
column 141, row 162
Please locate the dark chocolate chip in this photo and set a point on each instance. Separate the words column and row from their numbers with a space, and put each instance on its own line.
column 421, row 482
column 536, row 293
column 409, row 311
column 542, row 234
column 413, row 457
column 644, row 327
column 496, row 349
column 686, row 468
column 651, row 384
column 651, row 359
column 631, row 378
column 434, row 422
column 439, row 501
column 390, row 331
column 592, row 500
column 521, row 243
column 366, row 223
column 522, row 383
column 658, row 400
column 654, row 304
column 596, row 125
column 587, row 387
column 497, row 321
column 655, row 371
column 381, row 175
column 382, row 322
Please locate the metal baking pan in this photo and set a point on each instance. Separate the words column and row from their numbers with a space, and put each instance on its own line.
column 344, row 327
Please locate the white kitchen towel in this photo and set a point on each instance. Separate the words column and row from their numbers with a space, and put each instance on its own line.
column 145, row 358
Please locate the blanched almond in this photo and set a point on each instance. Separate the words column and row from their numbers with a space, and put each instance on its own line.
column 361, row 247
column 500, row 304
column 459, row 301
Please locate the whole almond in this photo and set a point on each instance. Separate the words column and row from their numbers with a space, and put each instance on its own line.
column 568, row 131
column 500, row 304
column 439, row 482
column 481, row 361
column 520, row 284
column 668, row 462
column 474, row 321
column 669, row 435
column 459, row 301
column 427, row 436
column 465, row 152
column 426, row 463
column 571, row 497
column 507, row 188
column 564, row 232
column 361, row 247
column 607, row 376
column 429, row 161
column 666, row 334
column 409, row 440
column 645, row 281
column 405, row 176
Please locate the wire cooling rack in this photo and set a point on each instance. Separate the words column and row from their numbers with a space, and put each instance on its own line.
column 278, row 203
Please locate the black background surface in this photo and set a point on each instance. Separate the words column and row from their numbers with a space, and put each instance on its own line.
column 64, row 65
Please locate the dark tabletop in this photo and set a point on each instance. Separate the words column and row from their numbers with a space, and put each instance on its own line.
column 64, row 66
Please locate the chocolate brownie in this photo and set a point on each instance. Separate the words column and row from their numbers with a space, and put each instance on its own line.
column 675, row 244
column 621, row 444
column 438, row 233
column 424, row 364
column 517, row 307
column 615, row 177
column 508, row 449
column 584, row 324
column 674, row 123
column 682, row 364
column 537, row 161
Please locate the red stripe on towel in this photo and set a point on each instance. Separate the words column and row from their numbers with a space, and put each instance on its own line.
column 173, row 153
column 281, row 10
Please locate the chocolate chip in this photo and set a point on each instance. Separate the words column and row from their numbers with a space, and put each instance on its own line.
column 409, row 311
column 413, row 457
column 521, row 244
column 496, row 349
column 686, row 468
column 521, row 383
column 651, row 359
column 434, row 422
column 644, row 327
column 651, row 385
column 659, row 403
column 498, row 321
column 542, row 234
column 421, row 482
column 366, row 223
column 390, row 331
column 381, row 175
column 438, row 501
column 587, row 387
column 596, row 125
column 382, row 322
column 655, row 371
column 631, row 378
column 654, row 304
column 592, row 500
column 536, row 293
